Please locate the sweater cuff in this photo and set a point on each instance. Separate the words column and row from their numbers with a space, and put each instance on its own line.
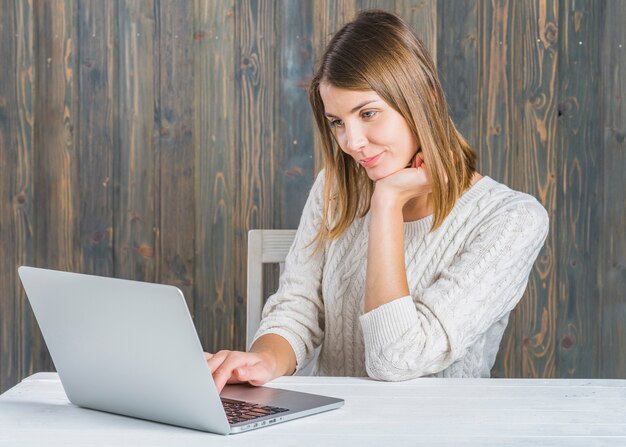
column 388, row 323
column 297, row 345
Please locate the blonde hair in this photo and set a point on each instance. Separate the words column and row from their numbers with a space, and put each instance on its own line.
column 378, row 51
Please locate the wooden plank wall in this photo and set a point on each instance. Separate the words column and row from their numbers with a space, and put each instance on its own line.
column 143, row 139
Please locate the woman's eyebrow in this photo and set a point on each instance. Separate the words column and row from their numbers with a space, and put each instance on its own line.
column 354, row 109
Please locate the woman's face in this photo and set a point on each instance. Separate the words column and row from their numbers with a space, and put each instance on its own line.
column 369, row 130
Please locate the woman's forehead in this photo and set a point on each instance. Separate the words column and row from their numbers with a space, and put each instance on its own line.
column 339, row 100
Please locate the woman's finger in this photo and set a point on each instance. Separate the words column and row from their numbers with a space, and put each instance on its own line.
column 242, row 367
column 225, row 373
column 216, row 360
column 258, row 374
column 239, row 375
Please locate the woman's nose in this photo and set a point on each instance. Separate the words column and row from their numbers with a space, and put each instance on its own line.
column 355, row 138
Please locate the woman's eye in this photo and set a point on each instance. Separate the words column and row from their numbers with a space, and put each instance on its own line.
column 336, row 123
column 369, row 114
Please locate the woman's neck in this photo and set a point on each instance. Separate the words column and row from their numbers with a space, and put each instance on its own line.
column 417, row 208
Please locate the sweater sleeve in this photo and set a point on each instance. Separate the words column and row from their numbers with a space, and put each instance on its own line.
column 296, row 310
column 415, row 336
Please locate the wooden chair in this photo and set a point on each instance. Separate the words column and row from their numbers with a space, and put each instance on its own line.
column 266, row 247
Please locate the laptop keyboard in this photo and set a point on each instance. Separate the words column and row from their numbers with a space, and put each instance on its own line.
column 239, row 411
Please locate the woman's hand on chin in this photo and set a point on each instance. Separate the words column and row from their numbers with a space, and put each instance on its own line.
column 405, row 184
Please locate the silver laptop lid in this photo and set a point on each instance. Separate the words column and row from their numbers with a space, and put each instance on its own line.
column 125, row 347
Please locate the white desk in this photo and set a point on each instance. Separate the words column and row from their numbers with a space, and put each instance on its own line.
column 422, row 412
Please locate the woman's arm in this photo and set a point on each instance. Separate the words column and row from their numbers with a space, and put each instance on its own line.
column 385, row 279
column 414, row 336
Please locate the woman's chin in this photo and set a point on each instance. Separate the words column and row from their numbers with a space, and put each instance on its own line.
column 370, row 176
column 373, row 175
column 377, row 173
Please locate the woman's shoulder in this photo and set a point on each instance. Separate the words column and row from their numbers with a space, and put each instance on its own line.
column 507, row 198
column 315, row 201
column 319, row 181
column 497, row 202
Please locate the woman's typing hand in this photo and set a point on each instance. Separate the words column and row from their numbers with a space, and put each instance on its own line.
column 230, row 367
column 270, row 356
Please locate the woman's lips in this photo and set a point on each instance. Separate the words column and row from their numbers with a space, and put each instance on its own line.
column 369, row 162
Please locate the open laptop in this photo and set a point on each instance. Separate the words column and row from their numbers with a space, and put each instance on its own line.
column 130, row 348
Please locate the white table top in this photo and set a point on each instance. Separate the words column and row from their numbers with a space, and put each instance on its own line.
column 429, row 412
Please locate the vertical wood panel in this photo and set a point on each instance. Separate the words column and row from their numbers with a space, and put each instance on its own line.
column 533, row 167
column 295, row 120
column 56, row 189
column 328, row 18
column 578, row 234
column 385, row 5
column 256, row 139
column 16, row 182
column 294, row 157
column 95, row 133
column 422, row 16
column 496, row 116
column 214, row 140
column 612, row 252
column 142, row 139
column 495, row 132
column 135, row 226
column 175, row 251
column 458, row 63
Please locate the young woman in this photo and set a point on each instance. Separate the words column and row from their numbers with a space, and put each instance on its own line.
column 406, row 262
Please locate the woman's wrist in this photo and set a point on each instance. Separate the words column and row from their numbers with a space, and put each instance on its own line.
column 270, row 360
column 276, row 354
column 383, row 201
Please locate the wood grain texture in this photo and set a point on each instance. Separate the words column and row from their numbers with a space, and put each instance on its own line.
column 136, row 176
column 495, row 127
column 256, row 139
column 611, row 274
column 176, row 157
column 580, row 167
column 533, row 167
column 422, row 16
column 295, row 155
column 95, row 149
column 216, row 176
column 385, row 5
column 495, row 123
column 458, row 64
column 57, row 188
column 296, row 163
column 16, row 184
column 143, row 138
column 328, row 18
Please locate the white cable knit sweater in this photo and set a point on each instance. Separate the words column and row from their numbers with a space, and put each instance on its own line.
column 464, row 279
